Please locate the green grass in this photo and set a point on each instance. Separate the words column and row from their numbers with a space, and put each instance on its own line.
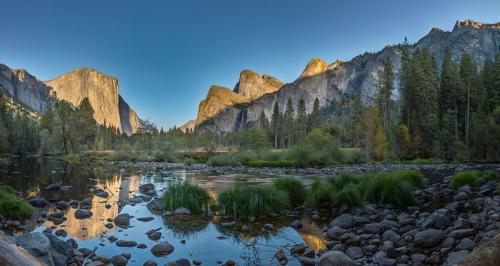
column 253, row 201
column 12, row 207
column 388, row 188
column 344, row 179
column 348, row 197
column 415, row 178
column 294, row 188
column 487, row 175
column 187, row 195
column 321, row 194
column 464, row 178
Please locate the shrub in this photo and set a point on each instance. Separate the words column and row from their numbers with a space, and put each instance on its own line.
column 321, row 195
column 344, row 179
column 464, row 178
column 348, row 197
column 235, row 158
column 187, row 195
column 12, row 207
column 294, row 188
column 252, row 201
column 487, row 175
column 413, row 177
column 387, row 188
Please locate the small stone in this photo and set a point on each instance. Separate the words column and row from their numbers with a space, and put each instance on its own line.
column 162, row 249
column 119, row 260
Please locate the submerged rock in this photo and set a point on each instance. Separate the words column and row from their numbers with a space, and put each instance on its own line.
column 38, row 203
column 119, row 260
column 122, row 220
column 162, row 249
column 83, row 214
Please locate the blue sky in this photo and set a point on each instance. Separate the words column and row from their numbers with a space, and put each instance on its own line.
column 166, row 54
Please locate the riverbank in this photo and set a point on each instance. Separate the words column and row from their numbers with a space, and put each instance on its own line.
column 86, row 209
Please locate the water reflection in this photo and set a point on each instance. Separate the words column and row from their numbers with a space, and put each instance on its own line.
column 209, row 239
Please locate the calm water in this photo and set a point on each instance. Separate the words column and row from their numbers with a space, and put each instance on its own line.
column 202, row 238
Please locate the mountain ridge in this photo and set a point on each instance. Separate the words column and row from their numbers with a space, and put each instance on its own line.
column 357, row 75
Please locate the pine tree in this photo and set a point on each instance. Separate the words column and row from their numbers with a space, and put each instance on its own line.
column 288, row 124
column 301, row 123
column 315, row 120
column 385, row 86
column 468, row 78
column 276, row 123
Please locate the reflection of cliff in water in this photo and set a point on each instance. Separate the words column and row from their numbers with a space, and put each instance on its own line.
column 118, row 189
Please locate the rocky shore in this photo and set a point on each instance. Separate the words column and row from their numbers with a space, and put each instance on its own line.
column 447, row 227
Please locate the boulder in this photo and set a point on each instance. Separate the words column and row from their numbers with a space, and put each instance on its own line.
column 429, row 238
column 119, row 260
column 83, row 214
column 146, row 187
column 335, row 258
column 345, row 221
column 13, row 255
column 162, row 249
column 38, row 245
column 122, row 220
column 155, row 206
column 38, row 203
column 335, row 232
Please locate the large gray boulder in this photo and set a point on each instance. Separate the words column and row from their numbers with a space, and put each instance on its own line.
column 38, row 245
column 14, row 255
column 335, row 258
column 345, row 220
column 429, row 238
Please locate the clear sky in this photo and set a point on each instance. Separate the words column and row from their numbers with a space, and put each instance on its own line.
column 166, row 54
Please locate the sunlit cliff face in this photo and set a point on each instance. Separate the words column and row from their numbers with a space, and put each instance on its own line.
column 81, row 229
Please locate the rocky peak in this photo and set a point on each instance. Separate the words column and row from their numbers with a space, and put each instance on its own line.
column 335, row 65
column 218, row 99
column 315, row 67
column 476, row 25
column 188, row 126
column 251, row 85
column 102, row 91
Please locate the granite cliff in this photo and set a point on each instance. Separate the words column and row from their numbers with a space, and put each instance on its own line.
column 330, row 82
column 102, row 91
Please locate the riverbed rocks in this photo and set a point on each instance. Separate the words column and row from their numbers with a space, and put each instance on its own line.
column 126, row 243
column 46, row 247
column 119, row 260
column 38, row 203
column 335, row 258
column 122, row 220
column 155, row 206
column 429, row 238
column 162, row 249
column 83, row 214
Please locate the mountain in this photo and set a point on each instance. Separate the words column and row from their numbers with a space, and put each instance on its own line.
column 74, row 86
column 330, row 82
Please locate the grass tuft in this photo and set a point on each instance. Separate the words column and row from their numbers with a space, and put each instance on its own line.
column 188, row 195
column 388, row 188
column 464, row 178
column 294, row 188
column 321, row 194
column 12, row 207
column 348, row 197
column 415, row 178
column 252, row 201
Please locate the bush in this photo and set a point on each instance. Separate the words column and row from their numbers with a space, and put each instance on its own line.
column 293, row 187
column 252, row 201
column 235, row 159
column 387, row 188
column 12, row 207
column 344, row 179
column 187, row 195
column 487, row 175
column 413, row 177
column 348, row 197
column 321, row 195
column 464, row 178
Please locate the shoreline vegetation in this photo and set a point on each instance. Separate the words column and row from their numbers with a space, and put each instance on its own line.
column 340, row 193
